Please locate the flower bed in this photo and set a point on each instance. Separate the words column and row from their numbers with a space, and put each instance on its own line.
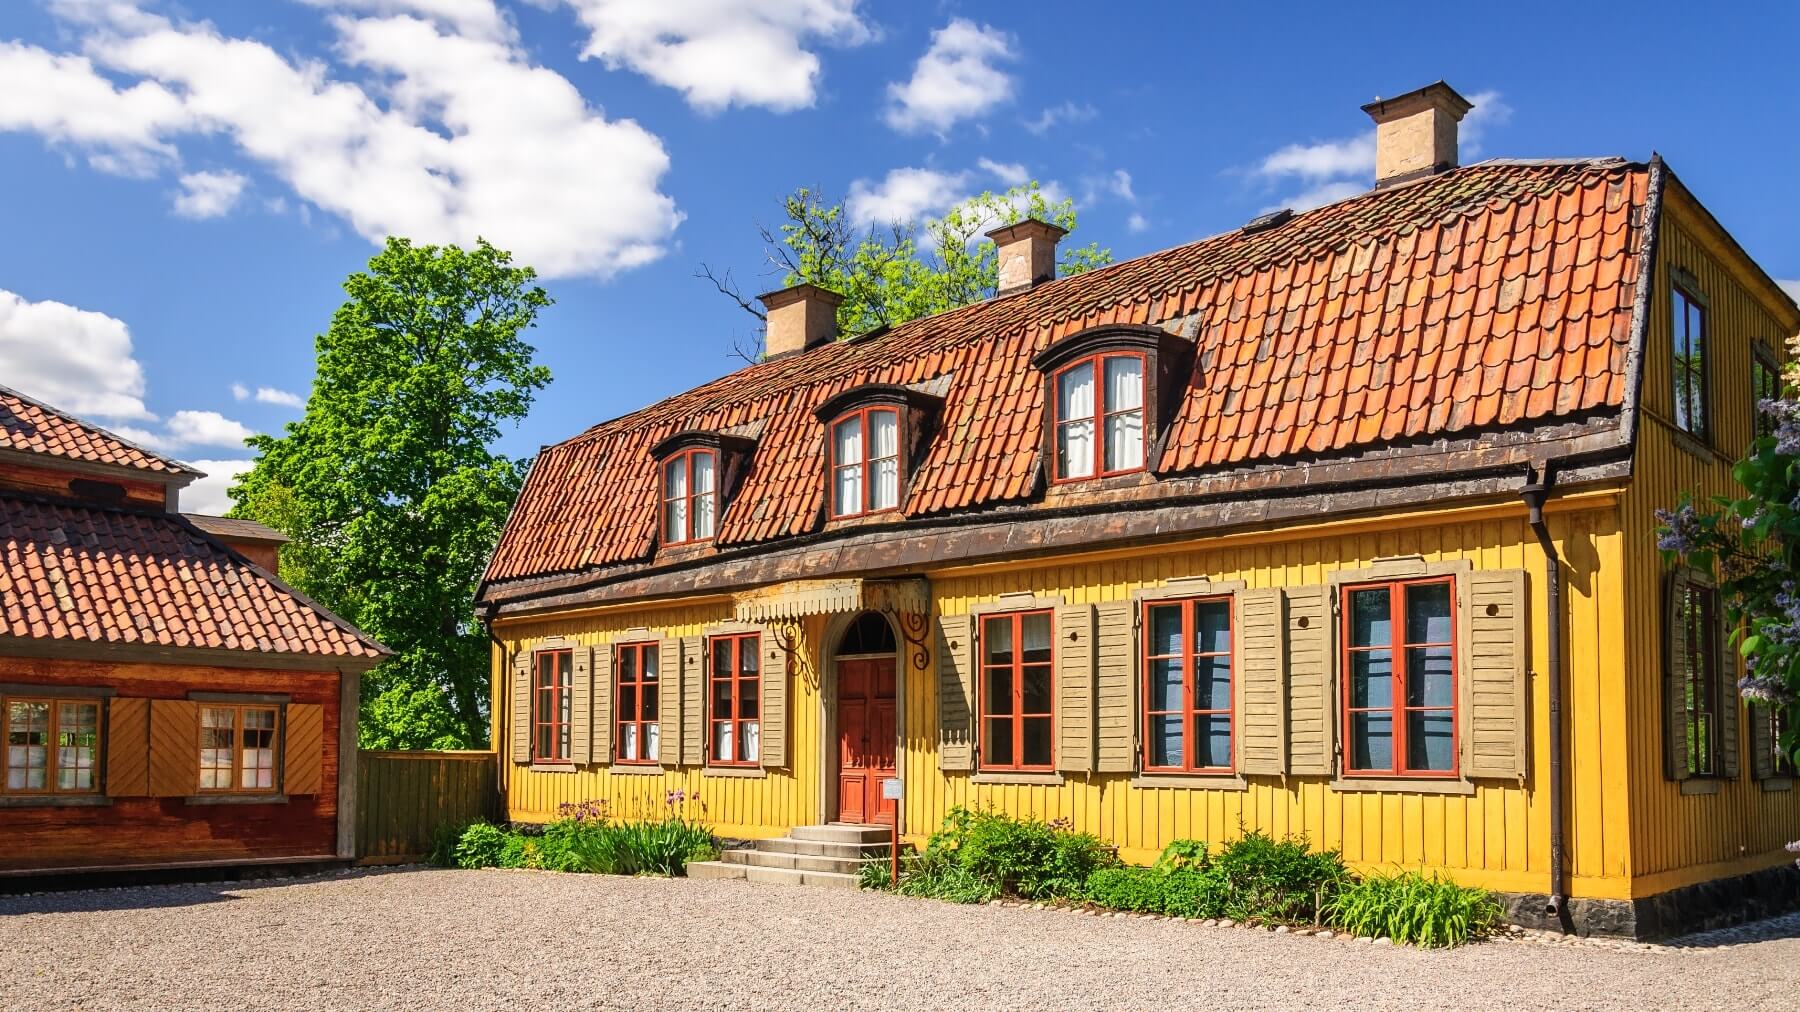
column 585, row 838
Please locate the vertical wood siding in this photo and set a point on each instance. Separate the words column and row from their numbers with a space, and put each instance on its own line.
column 1682, row 838
column 404, row 797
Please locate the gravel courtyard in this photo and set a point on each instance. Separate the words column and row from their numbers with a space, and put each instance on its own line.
column 418, row 939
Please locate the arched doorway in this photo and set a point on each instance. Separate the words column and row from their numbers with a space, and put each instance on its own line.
column 866, row 724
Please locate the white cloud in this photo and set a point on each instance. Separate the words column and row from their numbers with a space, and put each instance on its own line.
column 1120, row 185
column 1490, row 111
column 207, row 495
column 1137, row 223
column 904, row 196
column 1067, row 112
column 1319, row 196
column 240, row 392
column 280, row 398
column 1010, row 173
column 205, row 428
column 1354, row 156
column 208, row 194
column 73, row 359
column 719, row 54
column 450, row 137
column 479, row 19
column 956, row 79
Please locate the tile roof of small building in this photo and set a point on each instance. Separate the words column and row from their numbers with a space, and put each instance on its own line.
column 30, row 426
column 235, row 528
column 1496, row 295
column 76, row 573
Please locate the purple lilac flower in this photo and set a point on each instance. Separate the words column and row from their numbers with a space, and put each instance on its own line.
column 1680, row 529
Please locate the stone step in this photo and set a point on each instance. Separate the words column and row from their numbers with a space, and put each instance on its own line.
column 794, row 876
column 842, row 833
column 819, row 848
column 798, row 862
column 714, row 869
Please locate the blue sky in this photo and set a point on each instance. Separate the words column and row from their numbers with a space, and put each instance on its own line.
column 186, row 184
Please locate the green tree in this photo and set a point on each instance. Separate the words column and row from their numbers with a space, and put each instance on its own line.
column 904, row 270
column 389, row 485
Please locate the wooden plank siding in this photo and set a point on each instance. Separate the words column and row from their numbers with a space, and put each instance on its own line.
column 1678, row 838
column 404, row 797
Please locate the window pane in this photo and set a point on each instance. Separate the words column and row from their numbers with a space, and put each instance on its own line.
column 1430, row 677
column 27, row 745
column 648, row 656
column 1371, row 678
column 703, row 472
column 628, row 665
column 750, row 743
column 1429, row 741
column 1371, row 741
column 721, row 699
column 1166, row 747
column 1165, row 684
column 848, row 444
column 628, row 742
column 884, row 494
column 1036, row 630
column 999, row 742
column 1212, row 683
column 749, row 655
column 1075, row 413
column 721, row 658
column 1213, row 739
column 675, row 520
column 653, row 734
column 747, row 699
column 703, row 515
column 628, row 702
column 996, row 639
column 1369, row 619
column 1165, row 629
column 722, row 741
column 1428, row 613
column 1124, row 383
column 1037, row 742
column 1075, row 449
column 1036, row 690
column 884, row 434
column 1212, row 627
column 997, row 697
column 848, row 456
column 1124, row 410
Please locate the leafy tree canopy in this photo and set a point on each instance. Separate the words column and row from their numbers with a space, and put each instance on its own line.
column 905, row 270
column 388, row 485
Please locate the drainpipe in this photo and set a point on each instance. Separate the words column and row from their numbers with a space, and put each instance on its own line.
column 502, row 713
column 1534, row 494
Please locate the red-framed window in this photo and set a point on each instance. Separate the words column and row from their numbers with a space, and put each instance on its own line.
column 1697, row 609
column 237, row 747
column 736, row 680
column 1099, row 404
column 1765, row 386
column 1018, row 715
column 550, row 705
column 52, row 745
column 865, row 462
column 689, row 496
column 1687, row 325
column 1188, row 685
column 1399, row 665
column 639, row 737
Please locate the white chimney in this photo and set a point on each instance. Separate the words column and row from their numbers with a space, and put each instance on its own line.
column 800, row 317
column 1027, row 253
column 1415, row 133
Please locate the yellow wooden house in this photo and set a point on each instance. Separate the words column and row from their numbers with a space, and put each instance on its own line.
column 1338, row 525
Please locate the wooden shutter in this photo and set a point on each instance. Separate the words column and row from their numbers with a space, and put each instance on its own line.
column 601, row 742
column 773, row 730
column 1311, row 699
column 128, row 748
column 1727, row 679
column 1675, row 665
column 581, row 705
column 1762, row 742
column 956, row 692
column 668, row 701
column 303, row 749
column 694, row 666
column 1261, row 682
column 1494, row 627
column 1115, row 687
column 521, row 707
column 1074, row 655
column 174, row 748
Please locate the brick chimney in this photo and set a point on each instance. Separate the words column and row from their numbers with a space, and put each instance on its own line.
column 1415, row 133
column 800, row 318
column 1027, row 253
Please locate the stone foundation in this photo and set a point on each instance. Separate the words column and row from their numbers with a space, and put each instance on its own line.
column 1704, row 906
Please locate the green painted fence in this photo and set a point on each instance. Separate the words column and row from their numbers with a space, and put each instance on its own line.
column 403, row 797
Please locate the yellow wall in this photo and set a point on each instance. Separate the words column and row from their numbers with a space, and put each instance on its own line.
column 1679, row 839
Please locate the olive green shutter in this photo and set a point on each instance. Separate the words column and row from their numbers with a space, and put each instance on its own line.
column 693, row 701
column 1115, row 684
column 174, row 748
column 1261, row 682
column 668, row 701
column 303, row 749
column 773, row 730
column 1762, row 742
column 581, row 705
column 604, row 693
column 1074, row 655
column 1495, row 620
column 1311, row 702
column 127, row 748
column 956, row 691
column 521, row 707
column 1675, row 676
column 1727, row 672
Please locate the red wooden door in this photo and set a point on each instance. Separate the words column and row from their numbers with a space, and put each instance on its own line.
column 866, row 739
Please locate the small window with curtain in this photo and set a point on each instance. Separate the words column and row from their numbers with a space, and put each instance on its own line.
column 237, row 747
column 865, row 462
column 1188, row 686
column 1765, row 386
column 52, row 745
column 690, row 497
column 1099, row 404
column 551, row 683
column 1781, row 762
column 1697, row 609
column 1399, row 678
column 638, row 740
column 1017, row 691
column 1687, row 322
column 734, row 716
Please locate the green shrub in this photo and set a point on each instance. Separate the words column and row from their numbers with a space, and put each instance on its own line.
column 1265, row 880
column 444, row 840
column 1408, row 907
column 661, row 848
column 1182, row 883
column 877, row 875
column 977, row 855
column 480, row 846
column 1140, row 890
column 519, row 851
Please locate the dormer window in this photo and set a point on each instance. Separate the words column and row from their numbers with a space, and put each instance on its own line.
column 1108, row 393
column 871, row 433
column 690, row 496
column 1100, row 416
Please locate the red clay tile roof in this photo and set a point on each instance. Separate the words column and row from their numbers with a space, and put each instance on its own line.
column 79, row 573
column 30, row 426
column 1492, row 295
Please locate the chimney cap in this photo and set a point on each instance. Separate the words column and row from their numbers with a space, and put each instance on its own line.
column 1027, row 228
column 1437, row 93
column 795, row 293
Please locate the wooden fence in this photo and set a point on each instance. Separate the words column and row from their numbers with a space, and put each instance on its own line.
column 403, row 797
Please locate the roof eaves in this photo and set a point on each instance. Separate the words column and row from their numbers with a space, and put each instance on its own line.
column 173, row 464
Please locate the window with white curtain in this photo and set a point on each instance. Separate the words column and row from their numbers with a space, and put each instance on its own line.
column 1100, row 426
column 865, row 455
column 690, row 511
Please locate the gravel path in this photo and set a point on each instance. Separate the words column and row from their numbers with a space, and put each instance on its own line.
column 418, row 939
